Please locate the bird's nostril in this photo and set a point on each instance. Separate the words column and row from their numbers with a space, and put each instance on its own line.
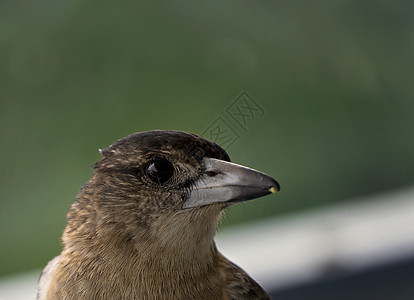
column 212, row 173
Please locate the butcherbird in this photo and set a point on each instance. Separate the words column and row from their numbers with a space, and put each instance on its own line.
column 143, row 226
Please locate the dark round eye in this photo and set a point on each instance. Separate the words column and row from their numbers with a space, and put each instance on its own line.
column 159, row 170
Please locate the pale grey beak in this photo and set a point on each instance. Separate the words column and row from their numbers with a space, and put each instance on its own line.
column 224, row 181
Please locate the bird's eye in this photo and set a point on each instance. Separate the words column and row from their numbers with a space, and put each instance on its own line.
column 159, row 170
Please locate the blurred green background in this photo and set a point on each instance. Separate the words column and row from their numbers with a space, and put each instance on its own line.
column 335, row 79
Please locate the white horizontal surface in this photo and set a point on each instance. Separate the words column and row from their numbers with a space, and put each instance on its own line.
column 300, row 247
column 19, row 287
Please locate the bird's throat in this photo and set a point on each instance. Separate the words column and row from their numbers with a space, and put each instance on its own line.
column 176, row 246
column 189, row 237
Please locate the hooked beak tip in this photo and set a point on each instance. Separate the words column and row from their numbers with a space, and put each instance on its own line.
column 273, row 190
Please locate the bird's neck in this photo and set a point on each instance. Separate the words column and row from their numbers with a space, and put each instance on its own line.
column 172, row 262
column 178, row 242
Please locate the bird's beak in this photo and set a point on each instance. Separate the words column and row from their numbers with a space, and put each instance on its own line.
column 224, row 181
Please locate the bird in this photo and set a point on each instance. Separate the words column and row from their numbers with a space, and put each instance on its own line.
column 143, row 226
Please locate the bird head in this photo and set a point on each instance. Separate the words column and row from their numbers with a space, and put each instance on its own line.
column 169, row 183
